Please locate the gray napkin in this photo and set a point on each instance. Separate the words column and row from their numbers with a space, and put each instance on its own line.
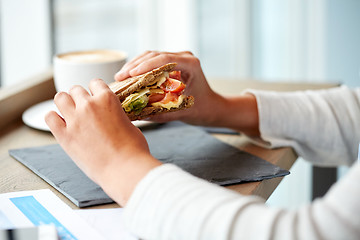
column 186, row 146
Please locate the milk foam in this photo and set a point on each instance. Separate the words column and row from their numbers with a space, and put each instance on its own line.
column 96, row 56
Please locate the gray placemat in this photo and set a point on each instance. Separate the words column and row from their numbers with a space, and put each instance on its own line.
column 52, row 164
column 206, row 157
column 189, row 147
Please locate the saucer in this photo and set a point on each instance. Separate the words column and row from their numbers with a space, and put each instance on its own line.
column 34, row 116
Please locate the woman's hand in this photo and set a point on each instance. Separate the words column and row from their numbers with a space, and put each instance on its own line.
column 99, row 137
column 210, row 109
column 206, row 100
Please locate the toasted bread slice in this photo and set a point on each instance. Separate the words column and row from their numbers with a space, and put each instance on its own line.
column 128, row 86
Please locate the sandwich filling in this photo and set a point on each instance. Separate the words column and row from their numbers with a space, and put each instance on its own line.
column 166, row 91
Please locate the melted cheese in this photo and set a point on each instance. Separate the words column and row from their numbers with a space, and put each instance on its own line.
column 156, row 90
column 170, row 104
column 161, row 79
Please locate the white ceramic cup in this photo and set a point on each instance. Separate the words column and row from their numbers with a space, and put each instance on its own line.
column 78, row 68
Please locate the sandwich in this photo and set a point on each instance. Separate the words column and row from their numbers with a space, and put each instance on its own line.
column 158, row 91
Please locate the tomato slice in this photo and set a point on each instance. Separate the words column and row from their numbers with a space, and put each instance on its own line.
column 175, row 75
column 156, row 97
column 172, row 85
column 170, row 97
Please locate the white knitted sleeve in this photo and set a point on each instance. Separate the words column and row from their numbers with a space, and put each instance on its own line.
column 322, row 126
column 171, row 204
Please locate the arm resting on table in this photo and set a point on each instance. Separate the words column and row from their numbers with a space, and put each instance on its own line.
column 171, row 204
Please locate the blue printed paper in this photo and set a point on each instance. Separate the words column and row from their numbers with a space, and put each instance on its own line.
column 39, row 215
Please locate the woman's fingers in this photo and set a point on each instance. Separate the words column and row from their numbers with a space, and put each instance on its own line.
column 136, row 59
column 78, row 94
column 148, row 61
column 55, row 123
column 166, row 117
column 151, row 63
column 124, row 72
column 98, row 86
column 64, row 103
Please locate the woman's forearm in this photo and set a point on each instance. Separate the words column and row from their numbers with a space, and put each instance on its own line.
column 171, row 204
column 239, row 113
column 120, row 180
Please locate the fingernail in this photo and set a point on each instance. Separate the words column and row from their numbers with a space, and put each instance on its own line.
column 119, row 75
column 133, row 72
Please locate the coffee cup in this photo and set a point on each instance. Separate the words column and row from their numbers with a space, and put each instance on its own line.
column 78, row 68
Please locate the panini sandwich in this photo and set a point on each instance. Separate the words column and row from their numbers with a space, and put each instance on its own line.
column 155, row 92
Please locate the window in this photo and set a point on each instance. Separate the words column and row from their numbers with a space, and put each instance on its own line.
column 289, row 40
column 83, row 25
column 25, row 39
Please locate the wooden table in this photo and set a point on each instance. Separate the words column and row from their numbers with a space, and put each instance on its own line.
column 14, row 134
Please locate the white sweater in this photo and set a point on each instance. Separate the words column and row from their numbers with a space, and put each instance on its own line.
column 322, row 126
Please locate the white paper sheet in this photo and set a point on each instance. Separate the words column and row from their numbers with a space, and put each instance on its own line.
column 108, row 222
column 41, row 207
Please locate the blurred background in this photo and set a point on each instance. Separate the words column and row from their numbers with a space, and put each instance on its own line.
column 312, row 41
